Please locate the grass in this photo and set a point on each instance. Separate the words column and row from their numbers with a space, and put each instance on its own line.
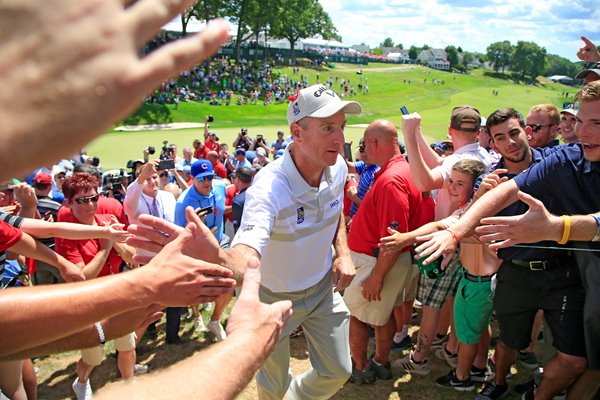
column 388, row 90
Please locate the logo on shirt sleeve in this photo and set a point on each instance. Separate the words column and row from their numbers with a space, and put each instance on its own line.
column 300, row 215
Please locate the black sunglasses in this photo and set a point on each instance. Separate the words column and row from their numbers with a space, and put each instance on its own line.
column 538, row 127
column 205, row 178
column 163, row 174
column 86, row 200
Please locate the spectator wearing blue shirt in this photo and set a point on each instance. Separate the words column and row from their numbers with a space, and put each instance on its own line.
column 366, row 171
column 206, row 191
column 238, row 160
column 278, row 144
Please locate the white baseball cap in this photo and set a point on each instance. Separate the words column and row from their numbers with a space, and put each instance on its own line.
column 569, row 111
column 318, row 101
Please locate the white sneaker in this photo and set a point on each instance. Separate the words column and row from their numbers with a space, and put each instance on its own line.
column 199, row 324
column 450, row 358
column 217, row 329
column 83, row 391
column 140, row 369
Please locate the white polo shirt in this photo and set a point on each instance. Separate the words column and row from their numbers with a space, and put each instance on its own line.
column 443, row 205
column 291, row 224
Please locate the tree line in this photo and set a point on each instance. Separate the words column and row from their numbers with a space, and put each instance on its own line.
column 526, row 60
column 280, row 19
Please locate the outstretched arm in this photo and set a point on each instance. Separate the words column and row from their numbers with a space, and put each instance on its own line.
column 588, row 52
column 424, row 177
column 252, row 332
column 444, row 243
column 46, row 313
column 535, row 225
column 31, row 248
column 87, row 73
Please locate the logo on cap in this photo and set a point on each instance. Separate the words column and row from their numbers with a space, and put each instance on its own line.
column 296, row 108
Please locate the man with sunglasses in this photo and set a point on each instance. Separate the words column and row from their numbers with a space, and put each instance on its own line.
column 205, row 191
column 366, row 171
column 543, row 120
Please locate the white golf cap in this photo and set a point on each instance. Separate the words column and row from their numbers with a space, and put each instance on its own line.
column 569, row 111
column 319, row 101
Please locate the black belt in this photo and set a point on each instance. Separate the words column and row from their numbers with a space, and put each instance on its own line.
column 477, row 278
column 541, row 265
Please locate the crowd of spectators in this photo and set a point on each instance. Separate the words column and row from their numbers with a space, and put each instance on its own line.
column 280, row 200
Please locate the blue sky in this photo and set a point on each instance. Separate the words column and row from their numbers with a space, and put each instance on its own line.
column 473, row 25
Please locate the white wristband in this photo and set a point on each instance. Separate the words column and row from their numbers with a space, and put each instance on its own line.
column 98, row 326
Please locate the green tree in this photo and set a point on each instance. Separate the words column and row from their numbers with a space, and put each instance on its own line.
column 498, row 54
column 298, row 19
column 452, row 54
column 468, row 58
column 413, row 53
column 528, row 60
column 388, row 42
column 556, row 65
column 400, row 46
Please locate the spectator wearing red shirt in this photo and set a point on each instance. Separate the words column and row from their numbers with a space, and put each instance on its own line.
column 199, row 149
column 106, row 205
column 218, row 166
column 381, row 278
column 96, row 257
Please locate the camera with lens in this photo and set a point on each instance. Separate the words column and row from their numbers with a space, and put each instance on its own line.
column 259, row 139
column 166, row 150
column 151, row 150
column 95, row 161
column 210, row 118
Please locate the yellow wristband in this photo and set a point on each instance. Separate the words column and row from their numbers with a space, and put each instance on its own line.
column 566, row 229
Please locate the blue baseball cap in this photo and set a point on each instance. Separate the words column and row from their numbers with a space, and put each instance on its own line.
column 201, row 168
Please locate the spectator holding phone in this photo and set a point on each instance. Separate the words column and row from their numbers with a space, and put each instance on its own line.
column 205, row 192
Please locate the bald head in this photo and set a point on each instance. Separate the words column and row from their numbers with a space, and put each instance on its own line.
column 212, row 156
column 381, row 141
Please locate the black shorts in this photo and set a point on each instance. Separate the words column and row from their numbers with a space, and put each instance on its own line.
column 557, row 290
column 589, row 266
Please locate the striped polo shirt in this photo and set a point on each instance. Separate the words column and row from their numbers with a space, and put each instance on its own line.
column 291, row 224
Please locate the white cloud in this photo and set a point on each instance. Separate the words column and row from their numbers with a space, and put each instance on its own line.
column 470, row 24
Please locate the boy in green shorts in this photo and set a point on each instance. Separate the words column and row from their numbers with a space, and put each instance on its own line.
column 473, row 302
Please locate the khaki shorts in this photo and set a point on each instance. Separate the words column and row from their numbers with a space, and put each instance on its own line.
column 410, row 293
column 94, row 355
column 392, row 294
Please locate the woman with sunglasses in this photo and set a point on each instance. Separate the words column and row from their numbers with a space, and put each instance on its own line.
column 96, row 257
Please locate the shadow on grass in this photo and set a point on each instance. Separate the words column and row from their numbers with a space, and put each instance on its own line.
column 156, row 353
column 149, row 114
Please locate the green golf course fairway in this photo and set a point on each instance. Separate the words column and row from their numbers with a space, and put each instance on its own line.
column 388, row 91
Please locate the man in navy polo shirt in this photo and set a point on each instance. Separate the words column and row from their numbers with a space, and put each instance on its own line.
column 567, row 183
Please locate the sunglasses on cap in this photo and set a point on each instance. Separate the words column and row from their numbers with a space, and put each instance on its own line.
column 205, row 178
column 163, row 174
column 538, row 127
column 86, row 200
